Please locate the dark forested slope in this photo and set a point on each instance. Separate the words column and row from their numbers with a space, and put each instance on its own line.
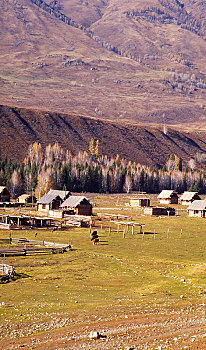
column 147, row 145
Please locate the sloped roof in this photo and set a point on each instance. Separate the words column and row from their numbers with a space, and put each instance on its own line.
column 187, row 196
column 51, row 195
column 2, row 188
column 73, row 201
column 60, row 193
column 198, row 205
column 166, row 194
column 25, row 196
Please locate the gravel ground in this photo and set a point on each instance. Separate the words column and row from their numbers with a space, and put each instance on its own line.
column 183, row 329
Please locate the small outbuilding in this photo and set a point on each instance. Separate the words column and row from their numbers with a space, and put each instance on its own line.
column 4, row 194
column 197, row 208
column 139, row 202
column 52, row 200
column 27, row 198
column 188, row 197
column 77, row 205
column 158, row 211
column 168, row 197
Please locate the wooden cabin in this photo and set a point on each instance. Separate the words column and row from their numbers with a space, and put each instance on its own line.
column 4, row 194
column 139, row 202
column 168, row 197
column 197, row 208
column 52, row 200
column 158, row 211
column 77, row 205
column 188, row 197
column 27, row 198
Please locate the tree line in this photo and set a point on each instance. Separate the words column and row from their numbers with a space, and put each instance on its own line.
column 90, row 172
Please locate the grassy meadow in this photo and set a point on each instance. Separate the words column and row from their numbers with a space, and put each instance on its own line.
column 118, row 276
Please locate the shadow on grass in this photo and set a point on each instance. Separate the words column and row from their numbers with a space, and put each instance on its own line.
column 19, row 276
column 4, row 240
column 148, row 233
column 16, row 277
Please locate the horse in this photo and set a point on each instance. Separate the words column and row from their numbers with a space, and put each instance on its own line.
column 96, row 240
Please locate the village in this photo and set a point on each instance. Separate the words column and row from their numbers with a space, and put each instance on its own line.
column 54, row 246
column 59, row 209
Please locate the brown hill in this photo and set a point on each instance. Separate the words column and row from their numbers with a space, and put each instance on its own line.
column 147, row 145
column 138, row 61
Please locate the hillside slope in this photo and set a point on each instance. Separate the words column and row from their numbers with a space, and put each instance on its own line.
column 147, row 145
column 136, row 61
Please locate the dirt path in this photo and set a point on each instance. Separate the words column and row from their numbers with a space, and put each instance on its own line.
column 179, row 330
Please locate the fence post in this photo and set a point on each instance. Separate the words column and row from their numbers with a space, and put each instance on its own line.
column 181, row 233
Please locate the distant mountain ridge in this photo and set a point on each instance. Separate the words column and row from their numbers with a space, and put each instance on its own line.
column 116, row 60
column 143, row 144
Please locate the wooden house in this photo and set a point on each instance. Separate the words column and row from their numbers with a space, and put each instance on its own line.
column 188, row 197
column 158, row 211
column 4, row 194
column 52, row 200
column 139, row 202
column 77, row 205
column 27, row 198
column 168, row 197
column 197, row 208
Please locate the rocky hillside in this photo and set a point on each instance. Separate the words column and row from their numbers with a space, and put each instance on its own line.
column 147, row 145
column 140, row 61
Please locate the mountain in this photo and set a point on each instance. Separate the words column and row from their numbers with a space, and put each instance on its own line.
column 144, row 144
column 136, row 61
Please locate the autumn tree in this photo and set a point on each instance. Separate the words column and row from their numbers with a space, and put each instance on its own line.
column 91, row 147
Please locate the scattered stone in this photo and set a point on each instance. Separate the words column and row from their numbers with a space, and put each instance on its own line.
column 94, row 335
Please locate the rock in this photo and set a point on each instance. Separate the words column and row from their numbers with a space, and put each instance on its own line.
column 94, row 335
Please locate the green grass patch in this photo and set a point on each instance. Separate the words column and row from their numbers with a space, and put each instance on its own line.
column 119, row 275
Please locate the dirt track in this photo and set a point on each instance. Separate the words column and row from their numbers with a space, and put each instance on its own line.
column 175, row 330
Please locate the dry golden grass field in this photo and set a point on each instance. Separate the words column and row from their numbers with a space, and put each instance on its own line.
column 142, row 291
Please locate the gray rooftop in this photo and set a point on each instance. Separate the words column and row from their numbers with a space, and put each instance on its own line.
column 73, row 201
column 166, row 194
column 187, row 196
column 198, row 205
column 2, row 188
column 53, row 194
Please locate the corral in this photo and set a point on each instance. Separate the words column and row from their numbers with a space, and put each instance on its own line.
column 152, row 282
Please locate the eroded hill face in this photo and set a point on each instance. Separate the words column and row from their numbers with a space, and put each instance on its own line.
column 143, row 144
column 141, row 61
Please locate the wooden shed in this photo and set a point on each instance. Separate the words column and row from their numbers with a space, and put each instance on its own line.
column 78, row 205
column 197, row 208
column 168, row 197
column 52, row 200
column 188, row 197
column 159, row 211
column 4, row 194
column 27, row 198
column 139, row 202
